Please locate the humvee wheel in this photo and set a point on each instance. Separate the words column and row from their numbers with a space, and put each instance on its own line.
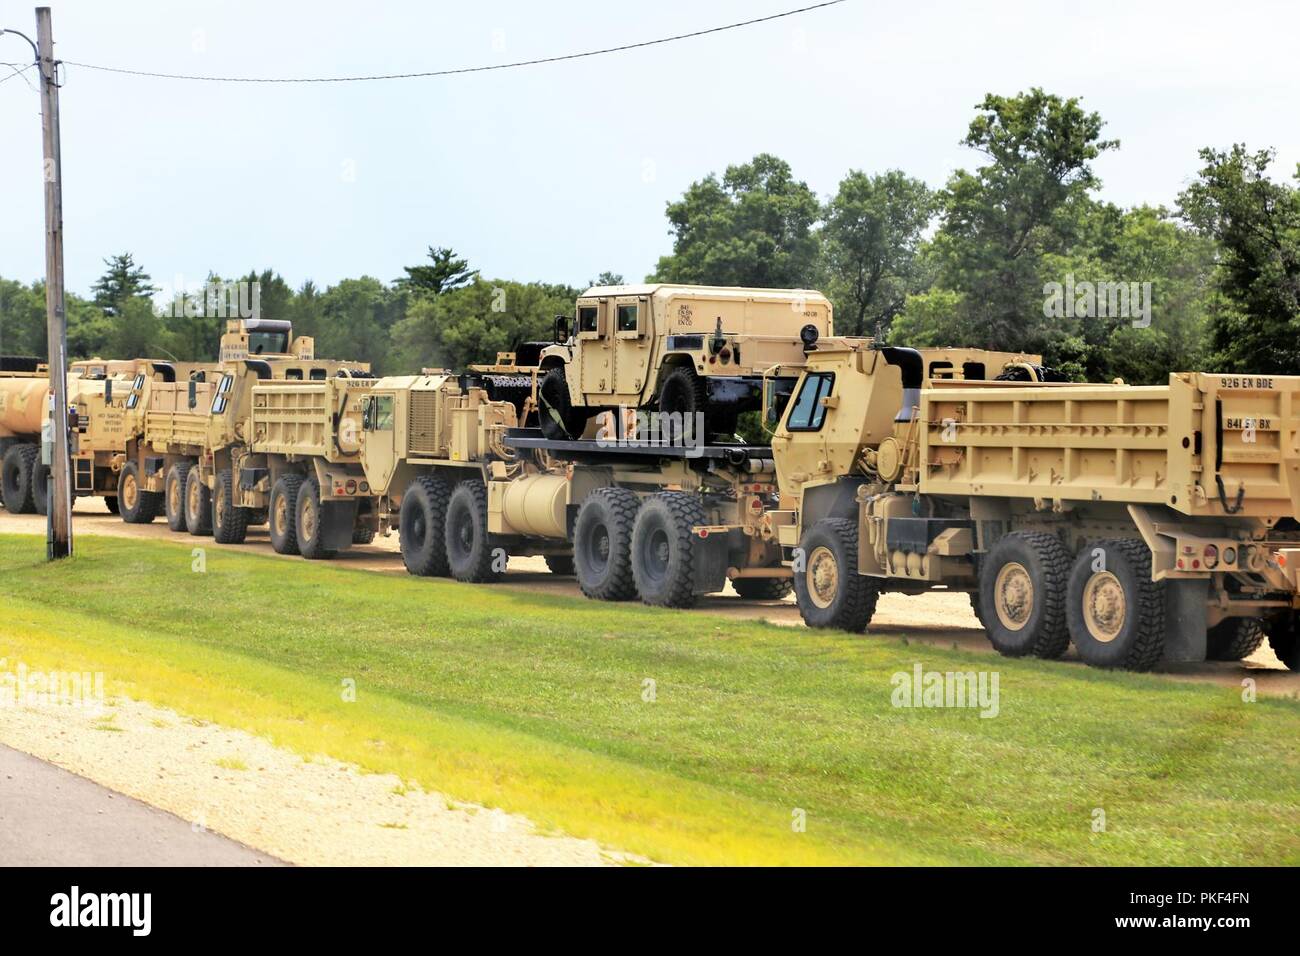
column 762, row 589
column 1233, row 639
column 471, row 551
column 663, row 549
column 174, row 495
column 602, row 544
column 557, row 417
column 283, row 514
column 229, row 522
column 1115, row 612
column 1022, row 595
column 421, row 527
column 828, row 588
column 16, row 478
column 136, row 505
column 309, row 523
column 198, row 505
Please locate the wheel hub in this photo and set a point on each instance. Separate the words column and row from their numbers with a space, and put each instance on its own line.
column 1013, row 594
column 1104, row 606
column 823, row 576
column 129, row 492
column 281, row 516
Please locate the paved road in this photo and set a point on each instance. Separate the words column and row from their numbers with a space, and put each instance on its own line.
column 50, row 817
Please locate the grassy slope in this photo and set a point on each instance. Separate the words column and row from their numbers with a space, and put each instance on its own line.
column 534, row 703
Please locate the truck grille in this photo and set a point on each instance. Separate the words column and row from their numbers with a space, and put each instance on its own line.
column 423, row 434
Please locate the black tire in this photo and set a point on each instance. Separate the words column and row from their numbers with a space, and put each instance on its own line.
column 663, row 549
column 602, row 544
column 1031, row 568
column 829, row 590
column 110, row 502
column 1233, row 639
column 16, row 472
column 763, row 589
column 363, row 534
column 174, row 495
column 135, row 505
column 470, row 549
column 1121, row 622
column 557, row 417
column 561, row 564
column 422, row 527
column 5, row 445
column 309, row 518
column 684, row 393
column 40, row 487
column 229, row 521
column 198, row 505
column 1284, row 639
column 283, row 516
column 977, row 608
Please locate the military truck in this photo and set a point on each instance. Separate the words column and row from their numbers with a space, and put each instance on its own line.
column 468, row 487
column 24, row 404
column 215, row 446
column 681, row 349
column 1137, row 523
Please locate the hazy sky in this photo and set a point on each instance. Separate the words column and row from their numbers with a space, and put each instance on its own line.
column 558, row 172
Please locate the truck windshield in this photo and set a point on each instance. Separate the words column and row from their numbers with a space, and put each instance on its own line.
column 807, row 411
column 268, row 343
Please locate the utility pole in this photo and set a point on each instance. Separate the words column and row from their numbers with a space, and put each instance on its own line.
column 58, row 535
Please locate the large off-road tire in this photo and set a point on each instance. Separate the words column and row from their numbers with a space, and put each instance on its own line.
column 557, row 417
column 829, row 590
column 198, row 505
column 602, row 544
column 110, row 502
column 664, row 549
column 1284, row 639
column 136, row 505
column 229, row 521
column 40, row 487
column 362, row 534
column 1116, row 613
column 422, row 527
column 1022, row 595
column 684, row 393
column 5, row 445
column 16, row 473
column 561, row 564
column 763, row 589
column 174, row 495
column 470, row 549
column 1234, row 639
column 283, row 514
column 977, row 608
column 309, row 518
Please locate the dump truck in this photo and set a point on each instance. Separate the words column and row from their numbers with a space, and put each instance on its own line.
column 680, row 349
column 1138, row 523
column 196, row 460
column 468, row 486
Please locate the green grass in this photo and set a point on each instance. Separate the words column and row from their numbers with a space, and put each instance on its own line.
column 534, row 703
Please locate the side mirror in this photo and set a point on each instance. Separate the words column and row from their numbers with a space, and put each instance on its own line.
column 561, row 329
column 368, row 414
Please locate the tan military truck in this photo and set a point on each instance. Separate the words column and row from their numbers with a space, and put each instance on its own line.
column 24, row 404
column 681, row 349
column 198, row 460
column 468, row 488
column 1137, row 523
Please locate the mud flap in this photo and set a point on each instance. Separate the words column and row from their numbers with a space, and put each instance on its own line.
column 336, row 521
column 710, row 560
column 1185, row 619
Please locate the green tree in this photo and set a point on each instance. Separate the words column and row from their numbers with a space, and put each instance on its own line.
column 22, row 318
column 873, row 227
column 357, row 317
column 1255, row 320
column 752, row 228
column 607, row 278
column 447, row 272
column 121, row 282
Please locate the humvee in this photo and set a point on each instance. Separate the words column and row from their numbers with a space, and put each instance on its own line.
column 676, row 348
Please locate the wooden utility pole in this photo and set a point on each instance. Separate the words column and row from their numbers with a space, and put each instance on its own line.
column 58, row 536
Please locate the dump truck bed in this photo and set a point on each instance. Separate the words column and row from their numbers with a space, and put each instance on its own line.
column 1203, row 445
column 320, row 419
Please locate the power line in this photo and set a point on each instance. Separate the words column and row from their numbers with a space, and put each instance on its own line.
column 18, row 72
column 468, row 69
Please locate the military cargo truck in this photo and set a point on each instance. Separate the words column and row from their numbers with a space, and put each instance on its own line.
column 680, row 349
column 1137, row 523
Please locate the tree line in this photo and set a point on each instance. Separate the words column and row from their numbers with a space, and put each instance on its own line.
column 1016, row 253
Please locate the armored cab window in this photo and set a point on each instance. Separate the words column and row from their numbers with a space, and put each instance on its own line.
column 628, row 317
column 381, row 413
column 318, row 375
column 293, row 374
column 136, row 385
column 221, row 399
column 588, row 318
column 807, row 411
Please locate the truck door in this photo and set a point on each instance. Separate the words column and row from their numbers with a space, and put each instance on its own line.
column 633, row 333
column 379, row 450
column 595, row 349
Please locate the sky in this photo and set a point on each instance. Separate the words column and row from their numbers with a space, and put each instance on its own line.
column 559, row 172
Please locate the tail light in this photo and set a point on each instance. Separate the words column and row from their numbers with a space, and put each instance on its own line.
column 1211, row 556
